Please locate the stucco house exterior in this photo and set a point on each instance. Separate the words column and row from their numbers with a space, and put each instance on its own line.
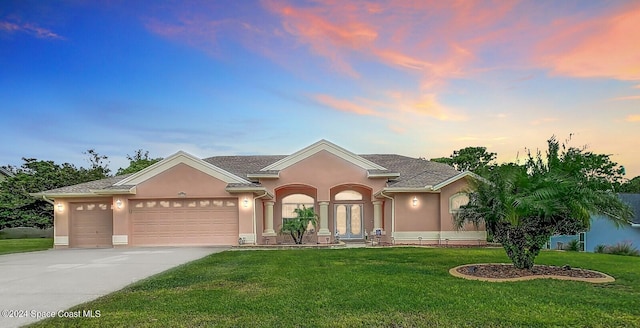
column 231, row 200
column 604, row 232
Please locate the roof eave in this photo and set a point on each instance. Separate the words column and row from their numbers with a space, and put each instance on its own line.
column 383, row 175
column 263, row 175
column 456, row 178
column 130, row 191
column 428, row 189
column 66, row 195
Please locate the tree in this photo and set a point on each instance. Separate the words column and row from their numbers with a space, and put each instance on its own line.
column 474, row 159
column 19, row 209
column 631, row 186
column 138, row 161
column 98, row 166
column 297, row 226
column 522, row 206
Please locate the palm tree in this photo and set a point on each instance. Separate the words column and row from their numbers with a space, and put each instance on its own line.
column 297, row 226
column 522, row 206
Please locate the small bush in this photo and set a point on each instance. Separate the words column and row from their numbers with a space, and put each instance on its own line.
column 600, row 249
column 573, row 245
column 624, row 248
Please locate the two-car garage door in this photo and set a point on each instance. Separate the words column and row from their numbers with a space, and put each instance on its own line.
column 184, row 222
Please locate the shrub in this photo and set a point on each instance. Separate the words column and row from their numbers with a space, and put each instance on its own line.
column 624, row 248
column 600, row 248
column 573, row 245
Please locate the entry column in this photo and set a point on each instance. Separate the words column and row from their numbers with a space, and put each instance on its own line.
column 324, row 219
column 377, row 215
column 268, row 218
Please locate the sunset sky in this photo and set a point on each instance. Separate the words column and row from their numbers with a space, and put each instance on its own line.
column 418, row 78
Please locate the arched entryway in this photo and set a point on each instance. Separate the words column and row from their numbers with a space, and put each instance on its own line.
column 352, row 211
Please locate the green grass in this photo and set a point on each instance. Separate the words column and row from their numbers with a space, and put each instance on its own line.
column 8, row 246
column 393, row 287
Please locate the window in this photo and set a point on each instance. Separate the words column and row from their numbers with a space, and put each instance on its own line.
column 458, row 200
column 292, row 202
column 348, row 195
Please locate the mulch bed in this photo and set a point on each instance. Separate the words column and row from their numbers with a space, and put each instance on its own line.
column 506, row 271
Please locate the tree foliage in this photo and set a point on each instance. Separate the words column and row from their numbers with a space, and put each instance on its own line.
column 298, row 226
column 522, row 206
column 474, row 159
column 19, row 209
column 632, row 186
column 138, row 161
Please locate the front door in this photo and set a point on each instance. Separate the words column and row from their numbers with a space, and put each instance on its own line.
column 348, row 219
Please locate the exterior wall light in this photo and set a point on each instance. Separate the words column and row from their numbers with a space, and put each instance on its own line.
column 415, row 201
column 245, row 202
column 118, row 203
column 60, row 207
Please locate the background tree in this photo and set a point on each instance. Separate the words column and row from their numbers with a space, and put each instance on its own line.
column 138, row 161
column 19, row 209
column 298, row 226
column 474, row 159
column 631, row 186
column 522, row 206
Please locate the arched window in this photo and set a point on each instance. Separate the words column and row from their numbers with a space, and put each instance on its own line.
column 348, row 195
column 458, row 200
column 291, row 202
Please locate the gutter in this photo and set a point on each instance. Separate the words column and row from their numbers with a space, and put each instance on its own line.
column 635, row 225
column 255, row 227
column 48, row 200
column 393, row 215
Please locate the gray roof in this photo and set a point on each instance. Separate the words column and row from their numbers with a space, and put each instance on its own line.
column 86, row 187
column 413, row 172
column 243, row 165
column 634, row 201
column 5, row 172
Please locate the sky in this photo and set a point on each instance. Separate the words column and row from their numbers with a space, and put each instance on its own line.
column 417, row 78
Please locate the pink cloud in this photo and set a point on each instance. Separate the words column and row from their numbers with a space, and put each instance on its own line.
column 633, row 118
column 344, row 105
column 602, row 47
column 30, row 29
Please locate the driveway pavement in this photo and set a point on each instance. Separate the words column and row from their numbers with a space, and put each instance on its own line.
column 41, row 283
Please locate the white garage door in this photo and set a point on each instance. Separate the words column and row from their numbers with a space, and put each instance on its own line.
column 184, row 222
column 91, row 224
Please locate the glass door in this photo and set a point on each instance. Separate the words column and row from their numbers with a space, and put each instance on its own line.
column 348, row 220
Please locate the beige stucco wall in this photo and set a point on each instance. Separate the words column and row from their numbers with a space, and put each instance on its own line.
column 181, row 178
column 445, row 213
column 424, row 216
column 321, row 176
column 323, row 171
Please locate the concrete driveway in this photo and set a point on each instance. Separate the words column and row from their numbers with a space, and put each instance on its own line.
column 40, row 283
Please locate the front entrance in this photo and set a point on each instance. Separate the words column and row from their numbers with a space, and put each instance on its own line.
column 348, row 219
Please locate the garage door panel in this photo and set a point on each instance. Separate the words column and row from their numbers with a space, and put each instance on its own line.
column 91, row 225
column 185, row 222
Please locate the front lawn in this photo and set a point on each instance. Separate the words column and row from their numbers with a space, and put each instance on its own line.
column 392, row 287
column 8, row 246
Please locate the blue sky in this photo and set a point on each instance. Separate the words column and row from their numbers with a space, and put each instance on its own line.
column 417, row 78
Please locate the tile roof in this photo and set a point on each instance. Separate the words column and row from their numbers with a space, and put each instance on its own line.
column 86, row 187
column 413, row 172
column 634, row 201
